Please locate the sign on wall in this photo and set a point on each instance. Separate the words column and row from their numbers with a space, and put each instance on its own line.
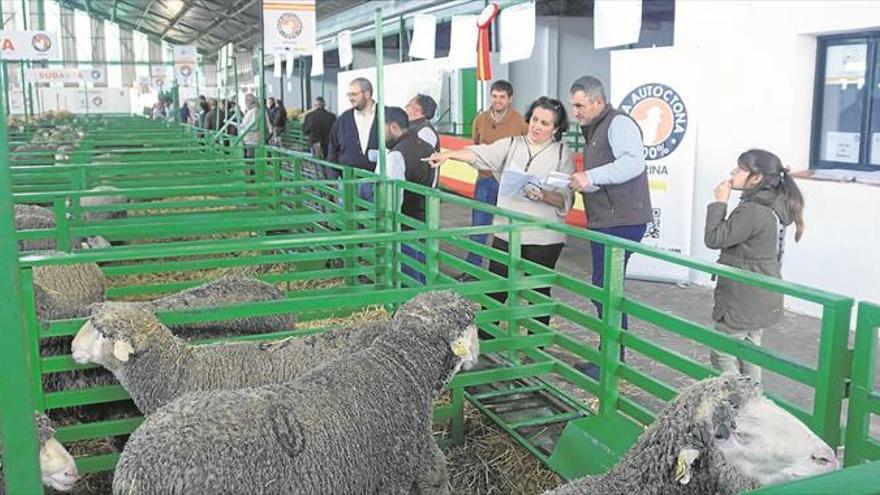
column 28, row 45
column 62, row 75
column 289, row 25
column 657, row 88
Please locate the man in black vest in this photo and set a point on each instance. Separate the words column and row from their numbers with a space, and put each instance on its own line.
column 404, row 162
column 420, row 110
column 614, row 182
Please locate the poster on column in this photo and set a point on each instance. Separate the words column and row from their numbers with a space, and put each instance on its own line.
column 184, row 64
column 657, row 88
column 402, row 82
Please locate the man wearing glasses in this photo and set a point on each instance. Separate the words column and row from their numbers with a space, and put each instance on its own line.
column 354, row 131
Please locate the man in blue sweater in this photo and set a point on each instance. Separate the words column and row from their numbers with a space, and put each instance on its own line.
column 355, row 130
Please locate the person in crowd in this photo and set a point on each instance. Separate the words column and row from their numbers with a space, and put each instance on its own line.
column 212, row 114
column 752, row 238
column 158, row 110
column 355, row 130
column 203, row 110
column 614, row 182
column 184, row 113
column 406, row 160
column 420, row 110
column 279, row 122
column 316, row 125
column 272, row 113
column 499, row 122
column 537, row 154
column 252, row 137
column 233, row 116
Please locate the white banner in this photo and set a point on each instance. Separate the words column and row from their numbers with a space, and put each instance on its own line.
column 402, row 82
column 517, row 32
column 289, row 25
column 424, row 36
column 616, row 22
column 62, row 75
column 76, row 100
column 185, row 64
column 657, row 87
column 28, row 45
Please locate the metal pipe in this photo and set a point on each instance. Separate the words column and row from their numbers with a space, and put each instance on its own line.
column 20, row 448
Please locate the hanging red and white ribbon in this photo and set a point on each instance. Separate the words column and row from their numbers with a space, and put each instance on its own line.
column 484, row 69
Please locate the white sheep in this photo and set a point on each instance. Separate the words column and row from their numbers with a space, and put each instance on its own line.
column 156, row 367
column 57, row 467
column 360, row 423
column 720, row 436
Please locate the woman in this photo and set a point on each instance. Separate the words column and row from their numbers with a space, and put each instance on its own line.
column 536, row 154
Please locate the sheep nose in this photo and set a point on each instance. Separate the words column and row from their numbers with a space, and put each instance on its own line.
column 825, row 457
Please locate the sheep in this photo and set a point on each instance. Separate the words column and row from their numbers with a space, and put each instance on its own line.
column 57, row 468
column 720, row 436
column 67, row 291
column 33, row 217
column 360, row 423
column 104, row 200
column 221, row 292
column 155, row 366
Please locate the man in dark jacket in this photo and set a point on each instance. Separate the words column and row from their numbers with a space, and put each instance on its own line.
column 354, row 132
column 614, row 182
column 404, row 162
column 420, row 110
column 316, row 125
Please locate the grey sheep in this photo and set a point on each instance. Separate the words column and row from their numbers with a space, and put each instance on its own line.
column 720, row 436
column 222, row 292
column 104, row 200
column 156, row 367
column 33, row 217
column 67, row 291
column 57, row 467
column 360, row 423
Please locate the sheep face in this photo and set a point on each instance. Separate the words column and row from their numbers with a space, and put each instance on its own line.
column 57, row 467
column 91, row 346
column 769, row 444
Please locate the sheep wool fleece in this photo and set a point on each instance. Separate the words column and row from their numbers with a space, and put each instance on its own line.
column 688, row 422
column 163, row 366
column 358, row 424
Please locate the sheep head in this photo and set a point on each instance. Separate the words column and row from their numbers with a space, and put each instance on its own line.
column 57, row 467
column 723, row 435
column 453, row 313
column 114, row 333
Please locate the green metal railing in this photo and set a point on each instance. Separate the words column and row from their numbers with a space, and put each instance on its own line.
column 864, row 394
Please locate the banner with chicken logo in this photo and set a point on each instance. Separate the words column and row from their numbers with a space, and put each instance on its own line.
column 657, row 88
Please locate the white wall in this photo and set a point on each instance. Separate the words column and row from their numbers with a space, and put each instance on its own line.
column 757, row 68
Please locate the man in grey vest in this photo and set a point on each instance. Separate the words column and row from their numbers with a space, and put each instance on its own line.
column 614, row 182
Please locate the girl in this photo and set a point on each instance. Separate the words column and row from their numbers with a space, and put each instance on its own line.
column 751, row 238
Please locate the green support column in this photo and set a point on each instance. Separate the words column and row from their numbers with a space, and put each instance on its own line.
column 20, row 448
column 468, row 80
column 611, row 328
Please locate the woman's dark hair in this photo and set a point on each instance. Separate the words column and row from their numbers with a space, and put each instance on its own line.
column 560, row 120
column 777, row 177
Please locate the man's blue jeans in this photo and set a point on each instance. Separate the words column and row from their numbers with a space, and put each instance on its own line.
column 485, row 191
column 631, row 232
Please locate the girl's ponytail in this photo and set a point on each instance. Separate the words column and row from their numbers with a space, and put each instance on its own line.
column 758, row 161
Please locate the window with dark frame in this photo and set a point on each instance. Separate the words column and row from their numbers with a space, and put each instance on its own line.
column 846, row 103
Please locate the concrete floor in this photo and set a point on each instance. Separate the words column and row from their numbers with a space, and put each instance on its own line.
column 796, row 337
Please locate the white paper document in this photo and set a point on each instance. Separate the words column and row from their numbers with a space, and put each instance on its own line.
column 517, row 32
column 512, row 184
column 424, row 36
column 557, row 180
column 463, row 42
column 317, row 61
column 345, row 53
column 616, row 22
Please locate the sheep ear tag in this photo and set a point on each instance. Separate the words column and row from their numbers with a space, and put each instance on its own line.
column 460, row 347
column 686, row 458
column 122, row 350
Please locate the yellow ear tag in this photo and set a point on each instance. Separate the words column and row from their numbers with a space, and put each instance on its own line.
column 680, row 469
column 459, row 348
